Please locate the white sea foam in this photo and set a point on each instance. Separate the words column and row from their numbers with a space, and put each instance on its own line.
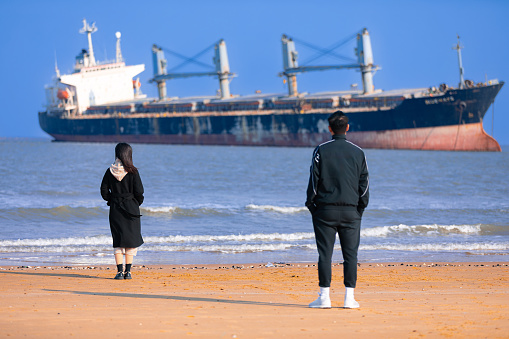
column 162, row 209
column 101, row 250
column 215, row 209
column 187, row 211
column 42, row 242
column 242, row 243
column 232, row 237
column 279, row 209
column 375, row 232
column 242, row 248
column 421, row 230
column 477, row 247
column 104, row 240
column 434, row 247
column 57, row 249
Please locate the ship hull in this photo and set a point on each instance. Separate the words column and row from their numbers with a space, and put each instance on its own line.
column 471, row 137
column 450, row 122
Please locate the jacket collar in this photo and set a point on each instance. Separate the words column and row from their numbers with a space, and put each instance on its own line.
column 339, row 137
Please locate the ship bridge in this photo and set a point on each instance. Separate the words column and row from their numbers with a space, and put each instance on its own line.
column 94, row 83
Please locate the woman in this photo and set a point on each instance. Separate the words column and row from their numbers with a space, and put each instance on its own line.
column 122, row 189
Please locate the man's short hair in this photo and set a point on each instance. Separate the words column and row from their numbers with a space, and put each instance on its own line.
column 338, row 122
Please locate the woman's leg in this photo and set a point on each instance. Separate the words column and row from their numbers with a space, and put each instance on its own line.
column 119, row 258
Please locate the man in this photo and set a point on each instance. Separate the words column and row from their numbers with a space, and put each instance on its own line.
column 337, row 194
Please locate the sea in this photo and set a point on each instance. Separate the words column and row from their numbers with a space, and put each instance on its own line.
column 241, row 205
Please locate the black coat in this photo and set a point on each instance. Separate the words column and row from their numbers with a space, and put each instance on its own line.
column 124, row 198
column 339, row 175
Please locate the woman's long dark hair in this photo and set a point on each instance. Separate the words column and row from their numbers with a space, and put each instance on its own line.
column 124, row 152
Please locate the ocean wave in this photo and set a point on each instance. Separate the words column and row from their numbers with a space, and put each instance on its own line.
column 83, row 212
column 415, row 232
column 186, row 212
column 441, row 247
column 232, row 237
column 434, row 230
column 163, row 209
column 44, row 242
column 62, row 212
column 217, row 210
column 35, row 200
column 173, row 239
column 232, row 248
column 105, row 250
column 57, row 249
column 233, row 243
column 279, row 209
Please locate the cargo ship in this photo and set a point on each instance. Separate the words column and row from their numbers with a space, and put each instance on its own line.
column 102, row 102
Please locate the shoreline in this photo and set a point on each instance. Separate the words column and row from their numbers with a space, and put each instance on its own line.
column 137, row 263
column 304, row 264
column 398, row 300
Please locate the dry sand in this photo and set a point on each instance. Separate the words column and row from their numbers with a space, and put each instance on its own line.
column 410, row 300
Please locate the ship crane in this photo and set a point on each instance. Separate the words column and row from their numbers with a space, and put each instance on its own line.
column 222, row 68
column 364, row 61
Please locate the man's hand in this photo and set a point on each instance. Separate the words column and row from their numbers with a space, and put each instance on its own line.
column 360, row 210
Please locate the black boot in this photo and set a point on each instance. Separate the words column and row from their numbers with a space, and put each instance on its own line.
column 119, row 275
column 127, row 273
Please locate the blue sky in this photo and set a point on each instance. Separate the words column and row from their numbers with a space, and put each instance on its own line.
column 412, row 42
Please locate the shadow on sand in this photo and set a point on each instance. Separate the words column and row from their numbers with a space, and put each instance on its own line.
column 49, row 274
column 180, row 298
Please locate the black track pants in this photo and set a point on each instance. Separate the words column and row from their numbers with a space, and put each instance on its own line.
column 346, row 221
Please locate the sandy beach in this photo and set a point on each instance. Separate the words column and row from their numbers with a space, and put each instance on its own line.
column 398, row 300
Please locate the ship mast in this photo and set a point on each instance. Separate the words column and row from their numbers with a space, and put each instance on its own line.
column 57, row 71
column 89, row 29
column 119, row 51
column 458, row 48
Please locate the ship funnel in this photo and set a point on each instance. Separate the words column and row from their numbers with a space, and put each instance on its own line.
column 365, row 59
column 222, row 68
column 89, row 29
column 290, row 61
column 159, row 63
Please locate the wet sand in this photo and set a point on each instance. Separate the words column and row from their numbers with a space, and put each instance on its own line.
column 398, row 300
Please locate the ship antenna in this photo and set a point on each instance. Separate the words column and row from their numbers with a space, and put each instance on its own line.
column 119, row 52
column 89, row 29
column 57, row 71
column 458, row 47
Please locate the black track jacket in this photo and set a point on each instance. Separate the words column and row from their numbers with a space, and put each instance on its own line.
column 339, row 175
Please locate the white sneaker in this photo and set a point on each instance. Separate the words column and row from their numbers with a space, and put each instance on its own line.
column 321, row 302
column 351, row 303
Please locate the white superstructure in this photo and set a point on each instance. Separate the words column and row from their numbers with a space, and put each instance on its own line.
column 94, row 83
